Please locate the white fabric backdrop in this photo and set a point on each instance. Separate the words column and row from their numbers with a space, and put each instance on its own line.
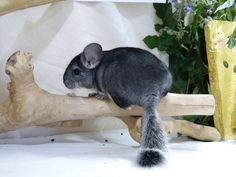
column 57, row 32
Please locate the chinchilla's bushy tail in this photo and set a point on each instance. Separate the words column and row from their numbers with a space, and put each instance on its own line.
column 153, row 142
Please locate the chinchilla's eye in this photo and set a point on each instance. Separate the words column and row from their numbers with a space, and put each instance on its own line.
column 76, row 71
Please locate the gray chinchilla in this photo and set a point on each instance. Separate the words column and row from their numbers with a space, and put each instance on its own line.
column 130, row 76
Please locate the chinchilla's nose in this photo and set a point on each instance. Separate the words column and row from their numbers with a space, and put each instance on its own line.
column 69, row 83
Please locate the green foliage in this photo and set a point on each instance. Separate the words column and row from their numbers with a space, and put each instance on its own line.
column 203, row 120
column 232, row 40
column 181, row 35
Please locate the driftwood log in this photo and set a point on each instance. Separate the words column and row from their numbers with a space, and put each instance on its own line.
column 7, row 6
column 28, row 104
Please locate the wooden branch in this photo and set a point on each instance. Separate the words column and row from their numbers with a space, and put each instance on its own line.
column 7, row 6
column 200, row 132
column 193, row 130
column 30, row 105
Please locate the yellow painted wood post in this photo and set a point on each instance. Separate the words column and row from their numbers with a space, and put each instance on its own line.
column 222, row 75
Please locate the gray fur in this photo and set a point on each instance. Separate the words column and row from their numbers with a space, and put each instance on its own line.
column 131, row 76
column 91, row 55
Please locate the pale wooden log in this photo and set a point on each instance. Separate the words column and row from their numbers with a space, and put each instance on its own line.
column 200, row 132
column 30, row 105
column 134, row 126
column 65, row 123
column 7, row 6
column 193, row 130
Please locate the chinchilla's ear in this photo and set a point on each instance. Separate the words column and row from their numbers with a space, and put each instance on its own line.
column 91, row 55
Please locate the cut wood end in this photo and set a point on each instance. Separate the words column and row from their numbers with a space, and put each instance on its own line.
column 19, row 63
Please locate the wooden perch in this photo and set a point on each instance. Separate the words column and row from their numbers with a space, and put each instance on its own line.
column 183, row 127
column 30, row 105
column 7, row 6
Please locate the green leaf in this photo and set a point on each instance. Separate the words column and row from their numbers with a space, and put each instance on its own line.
column 164, row 11
column 232, row 40
column 169, row 19
column 165, row 42
column 161, row 9
column 225, row 5
column 151, row 41
column 158, row 27
column 233, row 14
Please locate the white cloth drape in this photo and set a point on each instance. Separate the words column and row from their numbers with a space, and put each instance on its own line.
column 57, row 32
